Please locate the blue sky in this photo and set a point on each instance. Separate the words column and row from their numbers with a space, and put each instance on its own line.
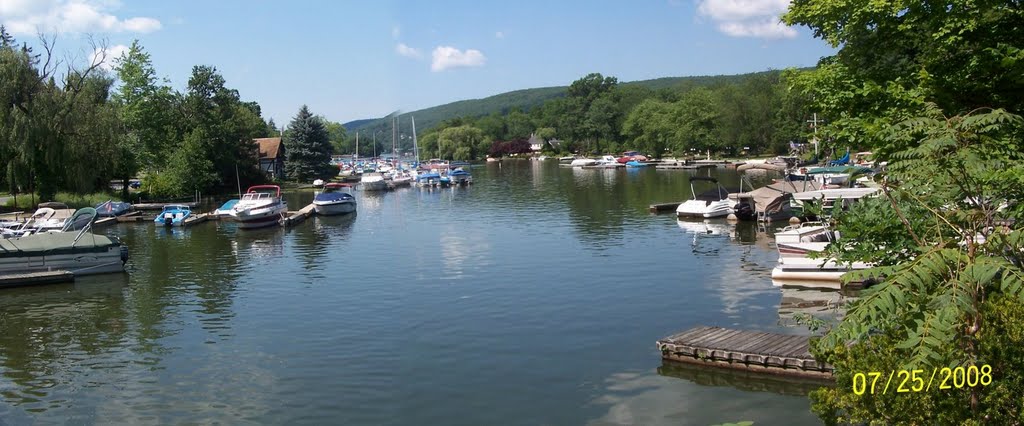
column 352, row 60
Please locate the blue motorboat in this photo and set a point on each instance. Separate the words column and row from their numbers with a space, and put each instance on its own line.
column 634, row 163
column 460, row 177
column 112, row 208
column 431, row 178
column 173, row 215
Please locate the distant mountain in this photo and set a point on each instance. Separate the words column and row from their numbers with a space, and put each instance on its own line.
column 523, row 99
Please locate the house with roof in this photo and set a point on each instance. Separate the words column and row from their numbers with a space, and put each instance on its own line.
column 536, row 144
column 271, row 156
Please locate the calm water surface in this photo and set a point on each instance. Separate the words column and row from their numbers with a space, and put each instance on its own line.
column 533, row 297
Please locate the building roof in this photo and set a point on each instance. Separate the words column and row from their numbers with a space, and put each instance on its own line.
column 269, row 147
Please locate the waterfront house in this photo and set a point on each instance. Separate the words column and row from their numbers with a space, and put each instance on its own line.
column 536, row 144
column 271, row 156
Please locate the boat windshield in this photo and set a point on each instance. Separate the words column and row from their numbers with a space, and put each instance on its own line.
column 258, row 196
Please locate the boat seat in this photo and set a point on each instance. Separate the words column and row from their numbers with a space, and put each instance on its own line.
column 179, row 215
column 168, row 215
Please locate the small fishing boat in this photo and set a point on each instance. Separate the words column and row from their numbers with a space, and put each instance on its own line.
column 373, row 181
column 634, row 163
column 460, row 177
column 112, row 208
column 76, row 250
column 259, row 207
column 336, row 198
column 173, row 215
column 714, row 203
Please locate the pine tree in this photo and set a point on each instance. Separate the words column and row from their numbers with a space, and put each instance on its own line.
column 307, row 148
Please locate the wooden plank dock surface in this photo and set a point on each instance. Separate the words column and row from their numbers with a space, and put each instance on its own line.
column 34, row 278
column 294, row 218
column 771, row 353
column 160, row 206
column 664, row 207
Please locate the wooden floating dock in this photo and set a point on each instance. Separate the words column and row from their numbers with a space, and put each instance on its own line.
column 194, row 219
column 294, row 218
column 34, row 278
column 664, row 207
column 160, row 206
column 770, row 353
column 135, row 217
column 684, row 166
column 116, row 219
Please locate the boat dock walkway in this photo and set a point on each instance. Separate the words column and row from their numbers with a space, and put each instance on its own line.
column 664, row 207
column 160, row 206
column 684, row 166
column 294, row 218
column 194, row 219
column 33, row 278
column 117, row 219
column 770, row 353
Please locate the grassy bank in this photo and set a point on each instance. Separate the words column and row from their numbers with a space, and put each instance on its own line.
column 75, row 201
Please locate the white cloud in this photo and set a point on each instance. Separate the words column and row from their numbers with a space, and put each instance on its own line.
column 69, row 16
column 109, row 56
column 767, row 28
column 748, row 18
column 408, row 52
column 446, row 57
column 499, row 34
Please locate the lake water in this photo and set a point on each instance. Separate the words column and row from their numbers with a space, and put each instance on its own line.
column 534, row 296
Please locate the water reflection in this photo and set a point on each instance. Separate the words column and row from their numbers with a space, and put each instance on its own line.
column 829, row 305
column 663, row 399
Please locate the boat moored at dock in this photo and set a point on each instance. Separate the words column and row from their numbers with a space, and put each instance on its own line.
column 714, row 203
column 260, row 206
column 78, row 251
column 173, row 215
column 336, row 198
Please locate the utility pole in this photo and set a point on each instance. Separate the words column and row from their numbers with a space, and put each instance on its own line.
column 814, row 125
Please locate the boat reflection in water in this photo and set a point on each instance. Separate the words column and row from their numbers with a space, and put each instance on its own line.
column 799, row 301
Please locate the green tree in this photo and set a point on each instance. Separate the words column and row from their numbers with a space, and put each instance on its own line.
column 145, row 111
column 308, row 145
column 460, row 143
column 337, row 136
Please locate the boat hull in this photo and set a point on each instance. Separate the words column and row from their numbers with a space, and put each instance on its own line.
column 103, row 260
column 260, row 218
column 374, row 185
column 703, row 209
column 328, row 209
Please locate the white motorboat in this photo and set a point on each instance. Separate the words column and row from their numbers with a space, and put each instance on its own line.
column 259, row 207
column 335, row 199
column 828, row 198
column 715, row 203
column 796, row 244
column 581, row 162
column 76, row 250
column 373, row 182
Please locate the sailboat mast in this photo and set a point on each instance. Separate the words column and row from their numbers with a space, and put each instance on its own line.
column 357, row 149
column 415, row 147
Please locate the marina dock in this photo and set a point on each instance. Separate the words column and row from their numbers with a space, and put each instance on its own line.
column 664, row 207
column 194, row 219
column 160, row 206
column 684, row 166
column 294, row 218
column 762, row 352
column 117, row 219
column 35, row 278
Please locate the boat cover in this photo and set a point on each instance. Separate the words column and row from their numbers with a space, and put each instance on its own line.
column 53, row 243
column 768, row 198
